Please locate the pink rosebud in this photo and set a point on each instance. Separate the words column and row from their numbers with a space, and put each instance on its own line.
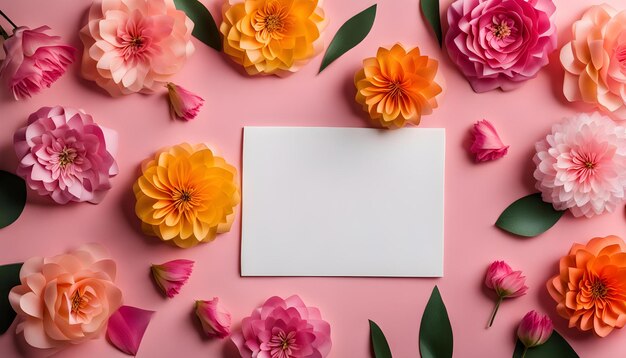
column 534, row 330
column 505, row 282
column 183, row 104
column 214, row 318
column 34, row 60
column 487, row 144
column 172, row 275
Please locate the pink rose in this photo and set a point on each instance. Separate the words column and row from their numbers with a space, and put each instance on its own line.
column 34, row 60
column 487, row 144
column 500, row 43
column 505, row 282
column 284, row 328
column 135, row 46
column 66, row 298
column 534, row 329
column 214, row 318
column 65, row 155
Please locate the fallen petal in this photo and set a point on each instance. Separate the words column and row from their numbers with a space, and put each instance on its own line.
column 127, row 327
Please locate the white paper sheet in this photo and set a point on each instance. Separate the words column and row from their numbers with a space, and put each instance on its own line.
column 342, row 202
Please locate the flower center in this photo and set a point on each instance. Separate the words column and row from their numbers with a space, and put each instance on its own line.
column 599, row 289
column 184, row 199
column 271, row 22
column 590, row 165
column 67, row 156
column 282, row 345
column 77, row 301
column 501, row 30
column 136, row 42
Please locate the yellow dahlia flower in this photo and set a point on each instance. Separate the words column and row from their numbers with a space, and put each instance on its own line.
column 186, row 195
column 272, row 37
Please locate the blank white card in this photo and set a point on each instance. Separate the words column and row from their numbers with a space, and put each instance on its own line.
column 342, row 202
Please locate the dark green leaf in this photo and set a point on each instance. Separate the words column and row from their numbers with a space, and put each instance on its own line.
column 205, row 28
column 528, row 216
column 9, row 278
column 349, row 35
column 379, row 342
column 12, row 198
column 435, row 331
column 554, row 347
column 430, row 9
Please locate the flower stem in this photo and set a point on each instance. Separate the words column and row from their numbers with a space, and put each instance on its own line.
column 524, row 352
column 495, row 310
column 9, row 20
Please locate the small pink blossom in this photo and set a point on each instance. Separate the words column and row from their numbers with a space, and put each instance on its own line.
column 487, row 144
column 184, row 105
column 172, row 275
column 214, row 318
column 34, row 60
column 505, row 282
column 534, row 329
column 284, row 329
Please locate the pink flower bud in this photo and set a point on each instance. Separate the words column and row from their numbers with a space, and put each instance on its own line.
column 487, row 145
column 505, row 282
column 34, row 60
column 534, row 329
column 183, row 104
column 172, row 275
column 214, row 318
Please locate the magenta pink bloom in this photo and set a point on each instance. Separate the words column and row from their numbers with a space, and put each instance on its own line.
column 534, row 329
column 63, row 153
column 487, row 144
column 172, row 275
column 284, row 329
column 184, row 105
column 581, row 165
column 214, row 318
column 34, row 60
column 126, row 328
column 500, row 43
column 505, row 282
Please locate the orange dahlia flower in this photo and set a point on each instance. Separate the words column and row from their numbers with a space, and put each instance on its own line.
column 272, row 36
column 186, row 195
column 396, row 87
column 591, row 288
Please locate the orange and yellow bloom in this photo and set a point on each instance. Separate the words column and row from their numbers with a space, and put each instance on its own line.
column 272, row 37
column 590, row 290
column 397, row 86
column 186, row 195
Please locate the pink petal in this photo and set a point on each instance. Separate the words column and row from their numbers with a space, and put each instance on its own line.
column 127, row 327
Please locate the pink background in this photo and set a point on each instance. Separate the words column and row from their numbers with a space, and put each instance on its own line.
column 475, row 194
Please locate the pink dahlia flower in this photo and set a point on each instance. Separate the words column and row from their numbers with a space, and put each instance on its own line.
column 487, row 144
column 283, row 329
column 500, row 43
column 581, row 165
column 34, row 60
column 172, row 275
column 184, row 105
column 135, row 46
column 65, row 155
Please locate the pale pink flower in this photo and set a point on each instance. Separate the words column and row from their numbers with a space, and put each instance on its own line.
column 63, row 153
column 284, row 329
column 214, row 318
column 135, row 46
column 183, row 104
column 34, row 60
column 487, row 144
column 505, row 282
column 534, row 329
column 172, row 275
column 581, row 165
column 66, row 299
column 500, row 43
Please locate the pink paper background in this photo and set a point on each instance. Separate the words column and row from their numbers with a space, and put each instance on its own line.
column 475, row 194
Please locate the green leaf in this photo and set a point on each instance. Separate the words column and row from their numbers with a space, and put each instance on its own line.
column 205, row 28
column 528, row 216
column 12, row 198
column 430, row 9
column 349, row 35
column 435, row 331
column 556, row 346
column 9, row 278
column 379, row 342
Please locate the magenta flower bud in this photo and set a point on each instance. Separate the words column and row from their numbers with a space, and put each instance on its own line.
column 214, row 318
column 505, row 282
column 184, row 105
column 534, row 330
column 172, row 275
column 487, row 144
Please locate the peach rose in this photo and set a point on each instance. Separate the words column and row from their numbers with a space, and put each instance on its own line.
column 595, row 60
column 66, row 298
